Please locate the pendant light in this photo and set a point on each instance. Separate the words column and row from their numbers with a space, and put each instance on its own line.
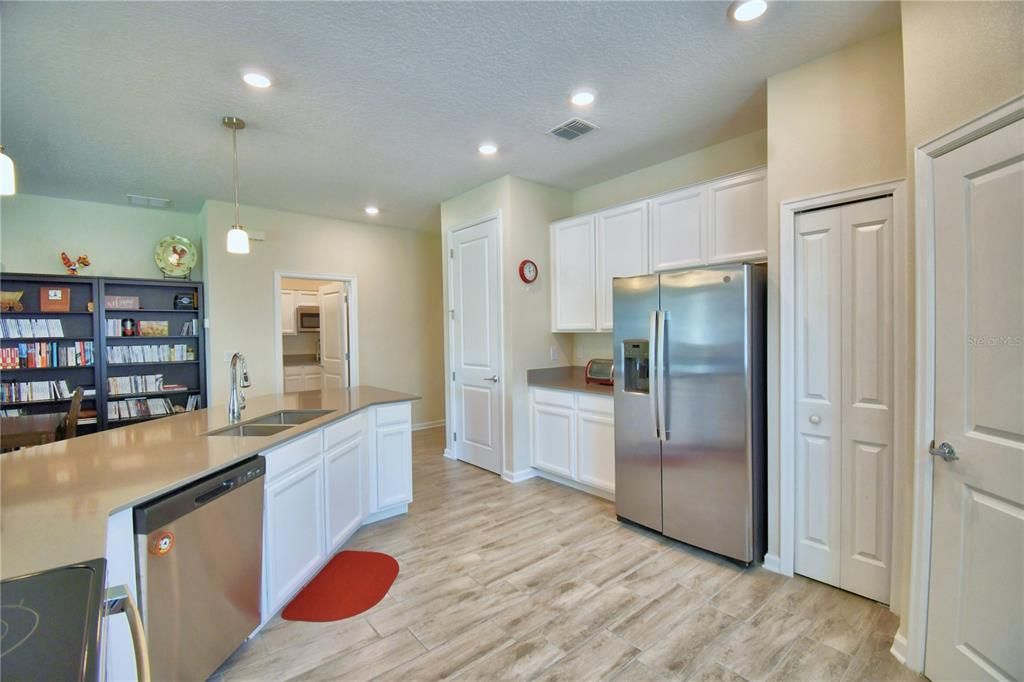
column 7, row 184
column 238, row 238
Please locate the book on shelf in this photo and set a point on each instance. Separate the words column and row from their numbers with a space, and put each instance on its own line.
column 42, row 355
column 34, row 391
column 190, row 328
column 154, row 328
column 26, row 328
column 138, row 383
column 178, row 352
column 193, row 403
column 135, row 408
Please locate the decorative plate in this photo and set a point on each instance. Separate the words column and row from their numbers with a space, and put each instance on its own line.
column 175, row 256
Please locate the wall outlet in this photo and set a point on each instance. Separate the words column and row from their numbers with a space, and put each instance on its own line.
column 553, row 350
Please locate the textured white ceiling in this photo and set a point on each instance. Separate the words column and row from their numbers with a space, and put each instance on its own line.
column 383, row 103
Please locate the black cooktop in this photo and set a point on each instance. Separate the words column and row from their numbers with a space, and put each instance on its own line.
column 50, row 623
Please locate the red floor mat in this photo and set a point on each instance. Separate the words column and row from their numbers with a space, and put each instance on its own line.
column 349, row 584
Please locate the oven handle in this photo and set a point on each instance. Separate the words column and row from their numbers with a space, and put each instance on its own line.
column 119, row 600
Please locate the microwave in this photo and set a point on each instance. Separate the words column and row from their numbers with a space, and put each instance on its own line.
column 307, row 318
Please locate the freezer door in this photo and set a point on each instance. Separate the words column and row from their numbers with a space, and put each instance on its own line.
column 706, row 463
column 637, row 447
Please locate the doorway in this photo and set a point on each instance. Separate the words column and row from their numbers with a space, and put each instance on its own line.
column 475, row 331
column 315, row 335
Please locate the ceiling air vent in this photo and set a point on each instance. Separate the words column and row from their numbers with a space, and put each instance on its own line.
column 572, row 129
column 149, row 202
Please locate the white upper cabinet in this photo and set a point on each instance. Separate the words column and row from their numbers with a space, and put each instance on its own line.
column 622, row 251
column 573, row 275
column 288, row 312
column 737, row 219
column 676, row 229
column 722, row 221
column 308, row 298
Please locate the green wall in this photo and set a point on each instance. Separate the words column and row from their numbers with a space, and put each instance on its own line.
column 119, row 240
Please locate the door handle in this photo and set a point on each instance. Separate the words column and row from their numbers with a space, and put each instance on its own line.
column 662, row 378
column 652, row 373
column 492, row 379
column 119, row 600
column 944, row 450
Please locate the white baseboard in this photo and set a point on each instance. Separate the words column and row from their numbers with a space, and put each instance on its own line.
column 772, row 563
column 582, row 487
column 899, row 647
column 396, row 510
column 518, row 476
column 449, row 453
column 428, row 425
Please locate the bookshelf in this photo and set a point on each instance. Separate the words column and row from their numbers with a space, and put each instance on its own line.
column 179, row 356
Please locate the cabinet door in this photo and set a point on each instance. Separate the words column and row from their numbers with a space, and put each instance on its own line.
column 287, row 312
column 312, row 378
column 622, row 251
column 595, row 450
column 737, row 225
column 294, row 528
column 394, row 465
column 554, row 440
column 344, row 481
column 676, row 234
column 573, row 293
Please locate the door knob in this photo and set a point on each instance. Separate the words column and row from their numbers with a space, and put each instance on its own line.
column 814, row 419
column 492, row 379
column 945, row 451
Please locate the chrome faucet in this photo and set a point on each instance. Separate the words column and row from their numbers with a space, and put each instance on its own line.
column 236, row 402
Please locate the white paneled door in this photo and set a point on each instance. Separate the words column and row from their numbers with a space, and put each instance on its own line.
column 334, row 335
column 844, row 391
column 476, row 344
column 976, row 593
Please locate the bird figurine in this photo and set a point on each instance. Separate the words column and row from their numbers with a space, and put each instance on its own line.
column 73, row 265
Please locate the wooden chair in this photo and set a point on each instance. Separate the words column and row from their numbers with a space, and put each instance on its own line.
column 68, row 427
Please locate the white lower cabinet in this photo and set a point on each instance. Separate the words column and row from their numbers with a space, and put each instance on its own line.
column 344, row 484
column 321, row 487
column 302, row 378
column 573, row 436
column 294, row 545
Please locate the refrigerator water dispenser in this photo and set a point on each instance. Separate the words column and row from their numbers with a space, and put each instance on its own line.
column 636, row 373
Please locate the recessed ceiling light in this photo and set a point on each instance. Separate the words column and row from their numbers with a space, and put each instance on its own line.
column 371, row 210
column 488, row 149
column 256, row 79
column 748, row 10
column 582, row 98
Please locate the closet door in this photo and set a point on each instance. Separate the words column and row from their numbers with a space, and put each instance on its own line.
column 818, row 393
column 867, row 432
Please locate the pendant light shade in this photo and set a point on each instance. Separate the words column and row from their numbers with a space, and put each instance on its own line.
column 7, row 183
column 238, row 238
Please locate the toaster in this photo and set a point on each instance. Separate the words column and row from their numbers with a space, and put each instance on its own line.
column 600, row 372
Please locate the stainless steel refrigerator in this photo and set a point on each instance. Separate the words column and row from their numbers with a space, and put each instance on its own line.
column 690, row 406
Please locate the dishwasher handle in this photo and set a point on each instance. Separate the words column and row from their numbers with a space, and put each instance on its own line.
column 212, row 495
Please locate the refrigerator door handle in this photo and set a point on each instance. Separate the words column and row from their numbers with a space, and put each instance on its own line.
column 652, row 372
column 662, row 374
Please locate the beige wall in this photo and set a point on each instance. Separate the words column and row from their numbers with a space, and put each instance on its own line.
column 527, row 208
column 835, row 123
column 960, row 60
column 398, row 276
column 731, row 156
column 119, row 240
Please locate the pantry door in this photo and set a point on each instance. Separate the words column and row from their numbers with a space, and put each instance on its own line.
column 976, row 593
column 334, row 335
column 475, row 324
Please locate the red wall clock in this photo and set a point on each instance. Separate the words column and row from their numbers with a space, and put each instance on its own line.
column 528, row 271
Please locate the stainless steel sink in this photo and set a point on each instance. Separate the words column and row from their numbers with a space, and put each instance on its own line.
column 289, row 417
column 251, row 430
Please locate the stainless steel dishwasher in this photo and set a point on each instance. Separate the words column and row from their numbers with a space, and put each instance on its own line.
column 200, row 557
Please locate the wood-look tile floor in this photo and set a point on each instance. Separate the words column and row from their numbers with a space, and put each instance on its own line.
column 539, row 581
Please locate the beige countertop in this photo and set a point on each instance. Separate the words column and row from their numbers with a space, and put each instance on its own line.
column 299, row 360
column 55, row 498
column 566, row 379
